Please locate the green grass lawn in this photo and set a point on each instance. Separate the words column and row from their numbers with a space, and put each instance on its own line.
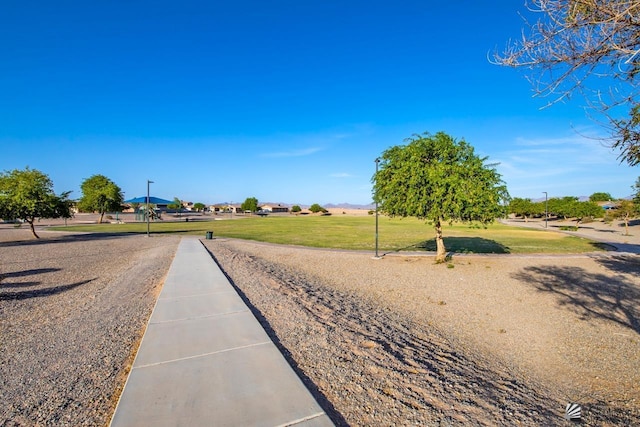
column 358, row 232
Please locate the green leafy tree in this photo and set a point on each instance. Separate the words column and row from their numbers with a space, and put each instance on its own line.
column 636, row 195
column 523, row 207
column 100, row 194
column 296, row 209
column 577, row 46
column 28, row 195
column 562, row 207
column 315, row 208
column 199, row 207
column 600, row 197
column 583, row 210
column 625, row 211
column 250, row 204
column 176, row 205
column 438, row 179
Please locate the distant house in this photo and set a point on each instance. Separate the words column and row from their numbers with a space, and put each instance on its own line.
column 275, row 209
column 608, row 205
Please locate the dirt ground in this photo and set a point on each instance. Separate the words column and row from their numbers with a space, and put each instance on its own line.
column 487, row 340
column 481, row 340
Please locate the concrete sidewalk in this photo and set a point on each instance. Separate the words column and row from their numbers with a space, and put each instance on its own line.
column 205, row 360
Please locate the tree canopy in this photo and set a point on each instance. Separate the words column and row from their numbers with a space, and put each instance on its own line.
column 438, row 179
column 250, row 204
column 176, row 205
column 100, row 194
column 636, row 192
column 600, row 197
column 525, row 207
column 625, row 211
column 316, row 207
column 28, row 195
column 588, row 47
column 199, row 206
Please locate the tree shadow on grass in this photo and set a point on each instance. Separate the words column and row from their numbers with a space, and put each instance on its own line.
column 463, row 245
column 614, row 298
column 603, row 246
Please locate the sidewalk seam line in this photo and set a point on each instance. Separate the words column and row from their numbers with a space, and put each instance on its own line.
column 301, row 420
column 196, row 295
column 226, row 350
column 182, row 319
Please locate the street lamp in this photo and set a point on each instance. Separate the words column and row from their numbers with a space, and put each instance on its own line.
column 377, row 160
column 148, row 204
column 546, row 209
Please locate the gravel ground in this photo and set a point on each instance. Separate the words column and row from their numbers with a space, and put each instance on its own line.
column 72, row 311
column 484, row 340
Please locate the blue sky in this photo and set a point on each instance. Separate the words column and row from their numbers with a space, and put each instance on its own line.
column 285, row 100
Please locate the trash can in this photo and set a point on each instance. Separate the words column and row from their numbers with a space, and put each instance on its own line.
column 209, row 235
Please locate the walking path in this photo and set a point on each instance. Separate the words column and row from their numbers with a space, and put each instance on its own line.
column 205, row 360
column 612, row 234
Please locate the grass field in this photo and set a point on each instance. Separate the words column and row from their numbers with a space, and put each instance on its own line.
column 358, row 232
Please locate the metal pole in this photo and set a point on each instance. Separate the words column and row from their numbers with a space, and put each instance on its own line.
column 377, row 162
column 148, row 204
column 546, row 209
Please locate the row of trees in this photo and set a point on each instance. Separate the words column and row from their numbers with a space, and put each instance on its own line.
column 28, row 194
column 564, row 207
column 177, row 205
column 571, row 207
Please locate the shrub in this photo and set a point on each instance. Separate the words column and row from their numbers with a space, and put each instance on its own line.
column 315, row 208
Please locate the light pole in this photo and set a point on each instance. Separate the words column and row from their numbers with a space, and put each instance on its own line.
column 148, row 204
column 546, row 209
column 377, row 160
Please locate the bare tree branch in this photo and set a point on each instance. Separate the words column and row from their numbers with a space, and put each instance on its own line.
column 581, row 47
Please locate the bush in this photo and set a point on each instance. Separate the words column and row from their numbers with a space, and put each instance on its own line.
column 295, row 208
column 315, row 208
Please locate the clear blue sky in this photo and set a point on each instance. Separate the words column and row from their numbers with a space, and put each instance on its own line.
column 287, row 101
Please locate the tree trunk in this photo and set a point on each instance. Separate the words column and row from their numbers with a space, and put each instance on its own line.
column 626, row 225
column 33, row 228
column 101, row 216
column 441, row 252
